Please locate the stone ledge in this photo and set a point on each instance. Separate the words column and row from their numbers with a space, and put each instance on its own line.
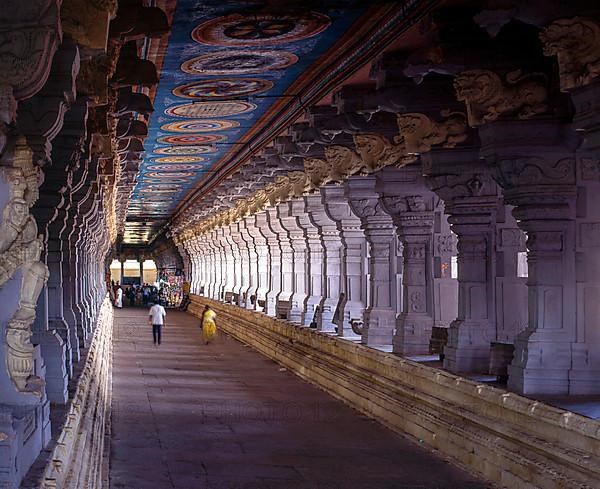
column 78, row 459
column 509, row 439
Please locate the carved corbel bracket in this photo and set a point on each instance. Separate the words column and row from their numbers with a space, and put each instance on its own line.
column 376, row 152
column 576, row 44
column 488, row 97
column 419, row 133
column 318, row 171
column 343, row 162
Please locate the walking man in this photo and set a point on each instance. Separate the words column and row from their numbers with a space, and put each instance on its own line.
column 156, row 317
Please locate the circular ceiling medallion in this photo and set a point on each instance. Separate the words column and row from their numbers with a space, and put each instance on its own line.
column 223, row 88
column 191, row 139
column 171, row 174
column 173, row 167
column 168, row 180
column 256, row 30
column 179, row 159
column 210, row 109
column 184, row 150
column 238, row 62
column 199, row 125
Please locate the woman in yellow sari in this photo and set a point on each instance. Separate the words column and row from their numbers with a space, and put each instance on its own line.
column 209, row 327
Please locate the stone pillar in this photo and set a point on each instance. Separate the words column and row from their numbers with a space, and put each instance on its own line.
column 237, row 250
column 262, row 222
column 251, row 300
column 380, row 315
column 410, row 203
column 141, row 260
column 300, row 209
column 471, row 200
column 331, row 242
column 263, row 261
column 289, row 221
column 553, row 355
column 122, row 260
column 283, row 300
column 353, row 251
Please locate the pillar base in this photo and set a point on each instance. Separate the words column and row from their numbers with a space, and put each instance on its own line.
column 538, row 380
column 469, row 346
column 296, row 311
column 325, row 318
column 312, row 302
column 413, row 333
column 379, row 327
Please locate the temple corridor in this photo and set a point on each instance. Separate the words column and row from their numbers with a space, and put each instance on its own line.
column 187, row 415
column 392, row 208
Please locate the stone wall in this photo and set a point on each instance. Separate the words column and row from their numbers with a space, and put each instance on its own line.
column 79, row 459
column 509, row 439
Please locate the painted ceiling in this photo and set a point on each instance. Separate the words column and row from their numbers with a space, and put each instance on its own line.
column 225, row 67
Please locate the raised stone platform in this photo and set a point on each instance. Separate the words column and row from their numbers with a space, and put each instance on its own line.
column 511, row 440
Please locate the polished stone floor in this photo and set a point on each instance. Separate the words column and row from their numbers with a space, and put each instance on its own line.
column 191, row 416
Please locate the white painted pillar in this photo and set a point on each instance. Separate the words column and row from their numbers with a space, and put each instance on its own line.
column 262, row 223
column 283, row 299
column 252, row 266
column 299, row 260
column 331, row 242
column 314, row 270
column 380, row 315
column 263, row 261
column 353, row 252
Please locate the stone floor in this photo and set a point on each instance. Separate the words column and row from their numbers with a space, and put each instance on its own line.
column 191, row 416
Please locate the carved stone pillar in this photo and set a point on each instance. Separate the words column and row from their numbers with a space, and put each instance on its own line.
column 300, row 259
column 284, row 297
column 409, row 202
column 553, row 355
column 236, row 249
column 380, row 315
column 471, row 200
column 244, row 265
column 251, row 301
column 263, row 262
column 262, row 222
column 353, row 251
column 332, row 256
column 299, row 208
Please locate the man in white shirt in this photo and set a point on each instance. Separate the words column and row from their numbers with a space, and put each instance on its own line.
column 156, row 317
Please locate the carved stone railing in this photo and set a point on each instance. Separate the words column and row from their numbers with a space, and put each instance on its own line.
column 509, row 439
column 78, row 459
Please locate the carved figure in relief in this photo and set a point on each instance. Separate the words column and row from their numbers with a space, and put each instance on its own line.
column 419, row 133
column 318, row 171
column 487, row 97
column 366, row 207
column 377, row 152
column 20, row 248
column 576, row 43
column 343, row 161
column 299, row 183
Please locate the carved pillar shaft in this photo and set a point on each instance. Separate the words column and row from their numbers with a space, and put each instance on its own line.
column 262, row 223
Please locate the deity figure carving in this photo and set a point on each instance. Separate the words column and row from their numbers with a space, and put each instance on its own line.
column 376, row 152
column 257, row 202
column 318, row 171
column 419, row 133
column 343, row 162
column 20, row 249
column 576, row 44
column 487, row 97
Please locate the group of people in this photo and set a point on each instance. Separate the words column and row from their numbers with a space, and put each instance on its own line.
column 157, row 315
column 138, row 295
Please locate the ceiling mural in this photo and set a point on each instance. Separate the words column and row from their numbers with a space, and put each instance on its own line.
column 223, row 69
column 232, row 73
